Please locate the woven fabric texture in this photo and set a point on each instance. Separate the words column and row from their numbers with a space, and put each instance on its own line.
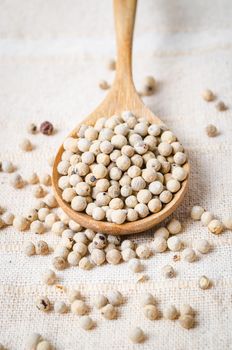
column 52, row 56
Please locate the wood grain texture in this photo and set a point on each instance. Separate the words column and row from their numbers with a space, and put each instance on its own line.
column 122, row 96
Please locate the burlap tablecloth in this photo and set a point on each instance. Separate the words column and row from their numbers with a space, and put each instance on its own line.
column 52, row 56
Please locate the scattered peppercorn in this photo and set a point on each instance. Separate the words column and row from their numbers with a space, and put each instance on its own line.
column 211, row 130
column 208, row 95
column 221, row 106
column 46, row 128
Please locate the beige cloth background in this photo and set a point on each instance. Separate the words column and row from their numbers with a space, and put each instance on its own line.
column 52, row 55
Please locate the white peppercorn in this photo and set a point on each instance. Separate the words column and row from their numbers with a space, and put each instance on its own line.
column 174, row 244
column 156, row 187
column 68, row 194
column 174, row 226
column 42, row 248
column 85, row 263
column 98, row 213
column 170, row 312
column 204, row 282
column 202, row 245
column 60, row 307
column 109, row 312
column 29, row 249
column 137, row 335
column 118, row 216
column 63, row 182
column 127, row 244
column 99, row 241
column 8, row 218
column 165, row 196
column 39, row 191
column 168, row 271
column 37, row 227
column 59, row 263
column 206, row 217
column 137, row 160
column 173, row 185
column 113, row 256
column 42, row 213
column 165, row 149
column 79, row 307
column 100, row 301
column 86, row 323
column 179, row 173
column 26, row 145
column 147, row 299
column 20, row 223
column 61, row 251
column 49, row 277
column 215, row 226
column 142, row 210
column 89, row 208
column 135, row 265
column 43, row 304
column 196, row 212
column 32, row 341
column 74, row 258
column 132, row 215
column 114, row 239
column 227, row 222
column 17, row 181
column 211, row 130
column 31, row 215
column 73, row 225
column 143, row 251
column 80, row 248
column 78, row 203
column 45, row 179
column 73, row 294
column 98, row 256
column 50, row 200
column 151, row 312
column 180, row 158
column 115, row 298
column 162, row 232
column 186, row 309
column 159, row 244
column 154, row 205
column 128, row 254
column 189, row 255
column 50, row 220
column 7, row 166
column 125, row 180
column 90, row 234
column 186, row 321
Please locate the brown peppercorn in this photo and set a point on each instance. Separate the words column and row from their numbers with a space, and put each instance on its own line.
column 104, row 85
column 111, row 65
column 221, row 106
column 211, row 130
column 149, row 86
column 46, row 128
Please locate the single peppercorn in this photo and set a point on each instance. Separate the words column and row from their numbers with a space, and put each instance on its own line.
column 46, row 128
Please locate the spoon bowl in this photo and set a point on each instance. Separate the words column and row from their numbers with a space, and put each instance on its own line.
column 122, row 96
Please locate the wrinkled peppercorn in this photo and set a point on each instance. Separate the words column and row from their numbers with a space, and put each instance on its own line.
column 46, row 128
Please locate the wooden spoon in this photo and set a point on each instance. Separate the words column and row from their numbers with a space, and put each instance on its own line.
column 122, row 96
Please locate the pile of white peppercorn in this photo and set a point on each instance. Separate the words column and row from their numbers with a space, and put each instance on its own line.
column 121, row 169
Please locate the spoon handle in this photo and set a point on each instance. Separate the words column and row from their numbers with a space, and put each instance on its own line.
column 124, row 13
